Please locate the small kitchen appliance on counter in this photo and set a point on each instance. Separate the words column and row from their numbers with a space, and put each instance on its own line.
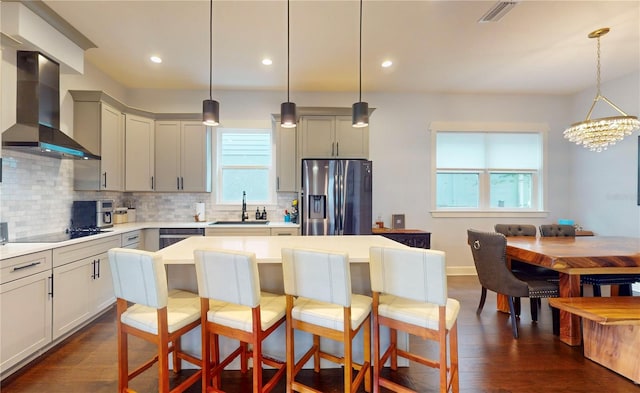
column 92, row 214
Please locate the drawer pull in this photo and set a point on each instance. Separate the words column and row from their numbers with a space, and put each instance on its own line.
column 18, row 268
column 132, row 238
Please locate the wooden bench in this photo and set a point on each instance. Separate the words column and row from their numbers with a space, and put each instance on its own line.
column 610, row 330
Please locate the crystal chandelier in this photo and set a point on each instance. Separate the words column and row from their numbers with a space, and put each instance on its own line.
column 598, row 134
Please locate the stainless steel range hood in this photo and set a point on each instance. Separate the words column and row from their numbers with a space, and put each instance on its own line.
column 38, row 112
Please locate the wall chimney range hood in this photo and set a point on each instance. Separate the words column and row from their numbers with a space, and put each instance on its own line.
column 38, row 112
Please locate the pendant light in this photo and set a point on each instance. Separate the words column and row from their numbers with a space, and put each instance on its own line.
column 210, row 107
column 360, row 116
column 288, row 118
column 598, row 134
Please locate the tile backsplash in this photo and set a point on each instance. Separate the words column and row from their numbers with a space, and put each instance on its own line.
column 36, row 195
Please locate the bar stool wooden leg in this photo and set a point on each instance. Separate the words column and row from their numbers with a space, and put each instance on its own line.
column 348, row 365
column 291, row 364
column 163, row 352
column 123, row 355
column 367, row 354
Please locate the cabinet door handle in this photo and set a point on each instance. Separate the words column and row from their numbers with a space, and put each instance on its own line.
column 332, row 146
column 181, row 183
column 105, row 180
column 98, row 263
column 50, row 293
column 93, row 269
column 152, row 182
column 337, row 149
column 278, row 183
column 178, row 183
column 18, row 268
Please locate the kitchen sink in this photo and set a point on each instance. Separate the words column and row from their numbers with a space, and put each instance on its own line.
column 239, row 223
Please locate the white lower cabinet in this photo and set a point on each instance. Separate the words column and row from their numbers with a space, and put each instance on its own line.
column 71, row 304
column 244, row 231
column 285, row 231
column 234, row 231
column 132, row 239
column 82, row 283
column 25, row 304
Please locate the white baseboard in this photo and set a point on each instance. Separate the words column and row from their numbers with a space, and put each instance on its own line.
column 461, row 271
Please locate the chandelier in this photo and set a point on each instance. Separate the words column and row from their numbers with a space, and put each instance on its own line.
column 598, row 134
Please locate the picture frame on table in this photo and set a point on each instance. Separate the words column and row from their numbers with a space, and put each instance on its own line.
column 397, row 221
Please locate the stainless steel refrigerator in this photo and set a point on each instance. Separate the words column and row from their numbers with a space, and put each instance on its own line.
column 336, row 197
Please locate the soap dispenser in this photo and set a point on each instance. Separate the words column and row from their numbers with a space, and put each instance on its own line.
column 264, row 213
column 257, row 213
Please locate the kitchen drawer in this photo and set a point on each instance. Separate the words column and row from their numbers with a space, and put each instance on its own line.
column 131, row 239
column 25, row 265
column 284, row 232
column 74, row 252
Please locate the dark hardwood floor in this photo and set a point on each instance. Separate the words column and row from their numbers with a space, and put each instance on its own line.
column 490, row 359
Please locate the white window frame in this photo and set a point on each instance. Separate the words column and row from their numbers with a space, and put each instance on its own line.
column 269, row 204
column 483, row 210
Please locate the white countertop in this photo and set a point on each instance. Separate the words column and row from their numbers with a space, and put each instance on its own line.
column 11, row 250
column 268, row 249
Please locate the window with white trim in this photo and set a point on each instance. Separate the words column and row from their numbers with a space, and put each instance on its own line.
column 244, row 162
column 480, row 170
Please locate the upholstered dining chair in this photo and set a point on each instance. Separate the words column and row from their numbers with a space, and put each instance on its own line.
column 624, row 281
column 521, row 269
column 157, row 315
column 319, row 301
column 489, row 255
column 232, row 305
column 409, row 289
column 557, row 230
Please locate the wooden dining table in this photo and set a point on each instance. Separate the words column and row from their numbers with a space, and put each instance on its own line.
column 572, row 257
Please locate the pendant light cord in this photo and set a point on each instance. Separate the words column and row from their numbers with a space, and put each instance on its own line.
column 288, row 100
column 598, row 71
column 210, row 48
column 360, row 58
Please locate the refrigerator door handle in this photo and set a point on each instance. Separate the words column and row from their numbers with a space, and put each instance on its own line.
column 336, row 198
column 341, row 197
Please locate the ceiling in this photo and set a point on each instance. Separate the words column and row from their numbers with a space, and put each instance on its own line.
column 539, row 47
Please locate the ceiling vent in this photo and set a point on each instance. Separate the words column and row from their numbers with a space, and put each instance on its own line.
column 496, row 12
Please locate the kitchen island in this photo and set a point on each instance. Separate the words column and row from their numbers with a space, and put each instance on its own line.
column 181, row 274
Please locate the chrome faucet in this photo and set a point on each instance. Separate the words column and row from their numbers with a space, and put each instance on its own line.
column 245, row 215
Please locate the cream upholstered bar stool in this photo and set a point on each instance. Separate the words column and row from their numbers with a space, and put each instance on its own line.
column 157, row 315
column 233, row 306
column 325, row 307
column 410, row 294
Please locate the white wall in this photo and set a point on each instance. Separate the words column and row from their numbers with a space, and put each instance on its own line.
column 604, row 186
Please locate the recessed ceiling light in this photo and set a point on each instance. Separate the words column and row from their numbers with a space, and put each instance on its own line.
column 387, row 63
column 155, row 59
column 267, row 61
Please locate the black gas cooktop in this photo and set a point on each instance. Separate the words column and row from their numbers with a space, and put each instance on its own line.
column 60, row 236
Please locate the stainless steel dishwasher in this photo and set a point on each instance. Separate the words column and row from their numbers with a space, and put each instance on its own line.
column 169, row 236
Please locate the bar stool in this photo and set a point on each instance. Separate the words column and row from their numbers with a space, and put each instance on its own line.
column 325, row 307
column 410, row 294
column 233, row 306
column 157, row 315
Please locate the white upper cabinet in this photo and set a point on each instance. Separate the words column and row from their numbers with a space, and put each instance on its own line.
column 286, row 168
column 332, row 137
column 182, row 156
column 99, row 127
column 139, row 153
